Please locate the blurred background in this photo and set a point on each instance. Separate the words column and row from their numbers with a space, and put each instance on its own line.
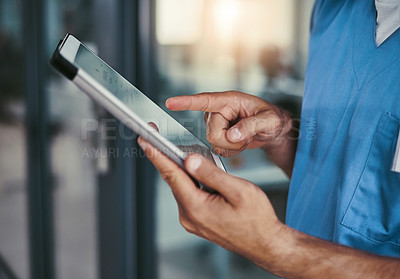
column 73, row 202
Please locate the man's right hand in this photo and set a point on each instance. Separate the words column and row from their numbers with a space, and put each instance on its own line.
column 236, row 121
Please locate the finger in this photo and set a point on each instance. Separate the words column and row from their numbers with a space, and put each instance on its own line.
column 217, row 127
column 207, row 172
column 152, row 124
column 205, row 116
column 210, row 102
column 264, row 125
column 224, row 152
column 181, row 184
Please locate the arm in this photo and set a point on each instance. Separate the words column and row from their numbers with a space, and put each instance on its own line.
column 241, row 219
column 236, row 121
column 311, row 257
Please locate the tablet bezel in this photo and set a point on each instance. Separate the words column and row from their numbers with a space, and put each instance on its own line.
column 63, row 60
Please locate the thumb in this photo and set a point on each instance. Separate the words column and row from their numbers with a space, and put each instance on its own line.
column 263, row 125
column 202, row 169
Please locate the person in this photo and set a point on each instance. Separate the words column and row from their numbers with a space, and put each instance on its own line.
column 343, row 214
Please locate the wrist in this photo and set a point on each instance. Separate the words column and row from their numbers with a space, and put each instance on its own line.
column 281, row 250
column 271, row 245
column 278, row 245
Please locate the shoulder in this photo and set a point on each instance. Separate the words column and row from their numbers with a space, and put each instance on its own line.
column 324, row 12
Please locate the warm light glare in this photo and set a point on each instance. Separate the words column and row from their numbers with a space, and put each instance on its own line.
column 179, row 22
column 226, row 22
column 226, row 17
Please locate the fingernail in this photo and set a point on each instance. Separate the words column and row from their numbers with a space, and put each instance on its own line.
column 235, row 134
column 194, row 163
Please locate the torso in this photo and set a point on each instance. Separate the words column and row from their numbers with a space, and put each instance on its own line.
column 342, row 188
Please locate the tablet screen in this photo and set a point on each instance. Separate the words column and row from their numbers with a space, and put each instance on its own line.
column 139, row 103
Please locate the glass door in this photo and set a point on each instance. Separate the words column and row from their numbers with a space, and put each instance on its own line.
column 70, row 206
column 14, row 245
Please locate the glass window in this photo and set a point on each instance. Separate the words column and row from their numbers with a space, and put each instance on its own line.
column 73, row 171
column 255, row 46
column 82, row 158
column 13, row 207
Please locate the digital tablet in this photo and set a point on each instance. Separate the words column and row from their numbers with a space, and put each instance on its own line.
column 123, row 100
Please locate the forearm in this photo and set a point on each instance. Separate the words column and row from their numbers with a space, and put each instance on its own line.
column 298, row 255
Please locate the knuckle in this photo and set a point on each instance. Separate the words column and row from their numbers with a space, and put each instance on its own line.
column 238, row 197
column 245, row 195
column 186, row 224
column 248, row 192
column 215, row 175
column 225, row 154
column 276, row 120
column 169, row 176
column 213, row 137
column 252, row 125
column 206, row 103
column 217, row 149
column 222, row 151
column 192, row 215
column 274, row 117
column 287, row 123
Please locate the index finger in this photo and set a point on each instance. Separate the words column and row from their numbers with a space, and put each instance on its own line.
column 209, row 102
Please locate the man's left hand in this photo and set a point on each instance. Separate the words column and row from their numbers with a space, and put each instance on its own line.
column 240, row 217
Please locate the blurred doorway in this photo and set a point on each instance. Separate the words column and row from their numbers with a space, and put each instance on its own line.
column 69, row 209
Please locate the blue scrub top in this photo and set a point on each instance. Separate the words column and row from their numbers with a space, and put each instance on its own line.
column 342, row 188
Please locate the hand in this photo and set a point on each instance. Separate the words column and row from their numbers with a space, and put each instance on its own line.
column 236, row 121
column 240, row 218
